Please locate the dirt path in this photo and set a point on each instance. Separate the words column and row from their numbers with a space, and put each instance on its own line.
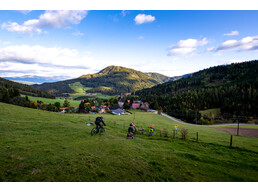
column 247, row 132
column 179, row 121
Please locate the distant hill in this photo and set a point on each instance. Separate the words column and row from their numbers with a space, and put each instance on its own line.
column 159, row 77
column 112, row 80
column 162, row 78
column 233, row 88
column 25, row 82
column 174, row 78
column 24, row 89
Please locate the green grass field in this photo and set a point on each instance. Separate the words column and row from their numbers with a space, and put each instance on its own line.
column 38, row 145
column 79, row 89
column 211, row 112
column 82, row 90
column 74, row 103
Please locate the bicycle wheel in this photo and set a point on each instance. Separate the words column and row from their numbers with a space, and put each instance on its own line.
column 102, row 131
column 93, row 131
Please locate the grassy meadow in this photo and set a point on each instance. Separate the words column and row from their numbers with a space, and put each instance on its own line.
column 38, row 145
column 73, row 103
column 81, row 90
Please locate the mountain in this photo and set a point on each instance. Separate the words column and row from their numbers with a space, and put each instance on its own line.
column 159, row 77
column 112, row 80
column 162, row 78
column 24, row 89
column 179, row 77
column 233, row 88
column 25, row 82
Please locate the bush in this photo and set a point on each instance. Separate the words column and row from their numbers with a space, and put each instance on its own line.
column 184, row 133
column 21, row 101
column 165, row 133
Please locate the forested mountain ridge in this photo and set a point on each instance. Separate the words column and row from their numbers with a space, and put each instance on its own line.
column 112, row 80
column 159, row 77
column 233, row 88
column 24, row 89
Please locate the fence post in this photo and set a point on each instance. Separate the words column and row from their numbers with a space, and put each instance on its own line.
column 231, row 139
column 238, row 127
column 196, row 136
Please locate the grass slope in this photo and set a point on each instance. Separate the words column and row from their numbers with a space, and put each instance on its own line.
column 80, row 91
column 73, row 103
column 38, row 145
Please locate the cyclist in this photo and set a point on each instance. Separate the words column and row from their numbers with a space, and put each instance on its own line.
column 98, row 121
column 130, row 129
column 151, row 131
column 135, row 129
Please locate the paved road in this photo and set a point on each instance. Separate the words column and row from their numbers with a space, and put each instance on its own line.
column 179, row 121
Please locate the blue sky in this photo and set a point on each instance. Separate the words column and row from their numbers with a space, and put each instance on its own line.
column 55, row 45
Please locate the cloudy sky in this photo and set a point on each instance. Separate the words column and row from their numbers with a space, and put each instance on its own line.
column 45, row 46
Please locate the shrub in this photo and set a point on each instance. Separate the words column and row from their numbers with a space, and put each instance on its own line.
column 184, row 133
column 165, row 133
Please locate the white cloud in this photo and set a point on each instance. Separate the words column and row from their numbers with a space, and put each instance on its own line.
column 233, row 33
column 186, row 46
column 175, row 59
column 77, row 33
column 49, row 19
column 246, row 44
column 140, row 38
column 210, row 49
column 41, row 61
column 142, row 18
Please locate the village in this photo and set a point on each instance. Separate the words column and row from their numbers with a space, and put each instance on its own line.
column 116, row 109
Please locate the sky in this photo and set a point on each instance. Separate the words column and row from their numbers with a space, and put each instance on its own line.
column 47, row 46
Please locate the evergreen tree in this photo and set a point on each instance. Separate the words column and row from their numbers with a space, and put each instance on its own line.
column 126, row 105
column 66, row 103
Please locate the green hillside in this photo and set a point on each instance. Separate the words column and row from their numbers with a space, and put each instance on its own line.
column 24, row 89
column 232, row 88
column 73, row 103
column 159, row 77
column 39, row 145
column 112, row 80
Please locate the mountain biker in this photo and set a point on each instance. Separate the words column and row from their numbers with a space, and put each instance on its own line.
column 130, row 129
column 151, row 131
column 135, row 129
column 98, row 121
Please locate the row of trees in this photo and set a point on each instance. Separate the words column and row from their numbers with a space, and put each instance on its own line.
column 12, row 96
column 232, row 88
column 24, row 89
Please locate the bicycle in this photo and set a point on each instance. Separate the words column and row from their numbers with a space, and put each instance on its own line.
column 101, row 130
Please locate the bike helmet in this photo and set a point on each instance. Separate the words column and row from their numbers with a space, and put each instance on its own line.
column 151, row 127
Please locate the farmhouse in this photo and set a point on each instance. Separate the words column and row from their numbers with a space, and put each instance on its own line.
column 144, row 106
column 116, row 110
column 136, row 104
column 121, row 102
